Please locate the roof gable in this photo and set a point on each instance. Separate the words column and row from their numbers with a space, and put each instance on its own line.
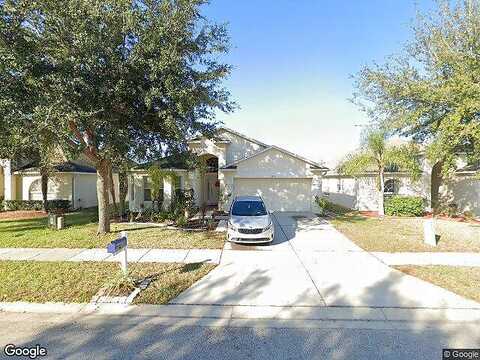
column 313, row 164
column 236, row 133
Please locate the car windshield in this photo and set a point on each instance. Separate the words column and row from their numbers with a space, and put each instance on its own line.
column 249, row 208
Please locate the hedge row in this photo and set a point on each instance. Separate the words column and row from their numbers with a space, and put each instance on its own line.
column 404, row 206
column 12, row 205
column 328, row 206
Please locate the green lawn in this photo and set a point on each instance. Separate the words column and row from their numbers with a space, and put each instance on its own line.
column 464, row 281
column 170, row 280
column 78, row 282
column 406, row 235
column 81, row 233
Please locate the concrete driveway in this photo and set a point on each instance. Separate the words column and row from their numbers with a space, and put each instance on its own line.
column 310, row 263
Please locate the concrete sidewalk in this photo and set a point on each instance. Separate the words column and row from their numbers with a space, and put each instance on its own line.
column 211, row 256
column 429, row 258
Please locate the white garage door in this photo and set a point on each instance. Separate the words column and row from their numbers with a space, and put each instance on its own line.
column 279, row 194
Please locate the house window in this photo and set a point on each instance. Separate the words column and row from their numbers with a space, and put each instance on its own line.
column 177, row 183
column 35, row 190
column 390, row 187
column 339, row 185
column 392, row 168
column 147, row 190
column 212, row 164
column 132, row 191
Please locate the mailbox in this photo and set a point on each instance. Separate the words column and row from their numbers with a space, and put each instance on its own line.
column 120, row 245
column 117, row 245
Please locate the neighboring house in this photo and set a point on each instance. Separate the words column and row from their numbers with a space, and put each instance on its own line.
column 361, row 192
column 236, row 165
column 72, row 180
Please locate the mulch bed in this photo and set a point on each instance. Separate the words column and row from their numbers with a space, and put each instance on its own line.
column 374, row 214
column 198, row 225
column 22, row 214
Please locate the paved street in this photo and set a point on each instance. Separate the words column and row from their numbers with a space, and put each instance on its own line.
column 152, row 338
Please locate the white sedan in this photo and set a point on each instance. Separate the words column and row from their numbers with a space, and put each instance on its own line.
column 249, row 221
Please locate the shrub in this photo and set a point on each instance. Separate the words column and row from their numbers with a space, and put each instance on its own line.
column 62, row 205
column 181, row 221
column 327, row 206
column 322, row 203
column 404, row 206
column 183, row 200
column 150, row 215
column 469, row 215
column 211, row 224
column 12, row 205
column 452, row 210
column 160, row 216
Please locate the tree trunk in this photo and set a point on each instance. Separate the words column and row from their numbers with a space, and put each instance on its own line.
column 381, row 206
column 123, row 187
column 436, row 182
column 111, row 186
column 103, row 198
column 44, row 180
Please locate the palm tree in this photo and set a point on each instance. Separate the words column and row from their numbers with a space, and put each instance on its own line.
column 376, row 155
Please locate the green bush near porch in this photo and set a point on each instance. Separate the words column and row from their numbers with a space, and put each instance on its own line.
column 14, row 205
column 404, row 206
column 327, row 206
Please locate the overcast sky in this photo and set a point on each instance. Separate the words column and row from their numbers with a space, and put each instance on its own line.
column 292, row 65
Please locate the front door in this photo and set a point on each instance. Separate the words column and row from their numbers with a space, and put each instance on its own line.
column 211, row 188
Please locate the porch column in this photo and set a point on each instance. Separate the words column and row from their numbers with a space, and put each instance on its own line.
column 131, row 192
column 195, row 184
column 221, row 191
column 2, row 182
column 167, row 192
column 226, row 188
column 8, row 180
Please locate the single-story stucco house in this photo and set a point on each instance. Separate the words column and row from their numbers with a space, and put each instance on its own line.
column 360, row 192
column 236, row 165
column 72, row 180
column 240, row 165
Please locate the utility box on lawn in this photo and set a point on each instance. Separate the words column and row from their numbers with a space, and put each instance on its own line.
column 429, row 232
column 56, row 221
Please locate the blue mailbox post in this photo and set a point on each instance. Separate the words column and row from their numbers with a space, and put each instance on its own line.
column 118, row 246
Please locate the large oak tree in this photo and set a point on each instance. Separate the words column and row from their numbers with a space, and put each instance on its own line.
column 113, row 78
column 430, row 91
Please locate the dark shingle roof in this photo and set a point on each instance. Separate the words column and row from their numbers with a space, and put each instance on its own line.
column 66, row 167
column 168, row 162
column 471, row 167
column 19, row 167
column 74, row 167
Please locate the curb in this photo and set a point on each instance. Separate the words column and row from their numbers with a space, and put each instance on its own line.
column 255, row 314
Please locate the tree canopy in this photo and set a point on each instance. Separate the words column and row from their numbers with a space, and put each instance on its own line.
column 376, row 156
column 431, row 90
column 117, row 77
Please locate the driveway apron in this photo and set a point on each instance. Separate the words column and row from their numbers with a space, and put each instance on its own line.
column 310, row 263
